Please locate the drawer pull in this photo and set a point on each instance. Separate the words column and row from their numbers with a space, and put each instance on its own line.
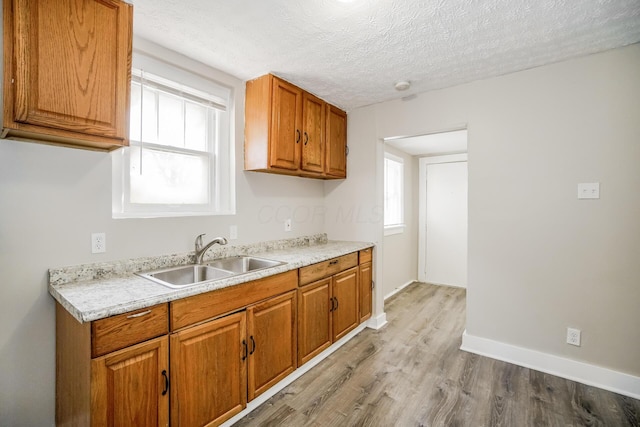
column 246, row 350
column 133, row 316
column 334, row 262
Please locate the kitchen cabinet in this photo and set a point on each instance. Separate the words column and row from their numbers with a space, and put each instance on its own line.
column 127, row 389
column 208, row 372
column 336, row 142
column 114, row 370
column 327, row 307
column 366, row 284
column 221, row 361
column 67, row 71
column 290, row 131
column 314, row 320
column 272, row 342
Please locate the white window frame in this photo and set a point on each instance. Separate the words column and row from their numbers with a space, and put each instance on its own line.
column 221, row 198
column 396, row 227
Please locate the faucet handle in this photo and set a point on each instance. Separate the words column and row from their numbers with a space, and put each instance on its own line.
column 199, row 241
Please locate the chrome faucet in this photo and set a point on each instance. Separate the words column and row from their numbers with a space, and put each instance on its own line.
column 201, row 250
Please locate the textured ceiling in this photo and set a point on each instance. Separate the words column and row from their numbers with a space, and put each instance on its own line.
column 352, row 53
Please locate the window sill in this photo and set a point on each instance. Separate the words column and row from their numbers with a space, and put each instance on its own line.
column 394, row 229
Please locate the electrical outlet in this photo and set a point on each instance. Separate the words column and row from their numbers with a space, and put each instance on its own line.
column 233, row 232
column 573, row 336
column 287, row 225
column 98, row 243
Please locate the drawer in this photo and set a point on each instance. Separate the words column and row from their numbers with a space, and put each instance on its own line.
column 123, row 330
column 327, row 268
column 195, row 309
column 366, row 255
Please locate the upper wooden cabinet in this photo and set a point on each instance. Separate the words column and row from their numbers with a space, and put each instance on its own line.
column 67, row 71
column 290, row 131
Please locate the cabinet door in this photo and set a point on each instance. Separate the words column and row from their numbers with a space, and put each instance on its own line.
column 313, row 128
column 336, row 142
column 314, row 319
column 271, row 331
column 71, row 63
column 345, row 296
column 208, row 372
column 130, row 386
column 366, row 282
column 286, row 136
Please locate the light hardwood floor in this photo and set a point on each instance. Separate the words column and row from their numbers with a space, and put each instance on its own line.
column 412, row 373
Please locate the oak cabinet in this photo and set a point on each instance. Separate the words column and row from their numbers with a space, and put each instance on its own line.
column 208, row 372
column 217, row 366
column 130, row 386
column 328, row 308
column 366, row 284
column 336, row 142
column 290, row 131
column 67, row 71
column 344, row 288
column 106, row 377
column 314, row 319
column 272, row 344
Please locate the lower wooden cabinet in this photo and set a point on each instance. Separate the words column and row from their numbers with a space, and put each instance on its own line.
column 130, row 387
column 346, row 316
column 271, row 342
column 202, row 367
column 314, row 319
column 208, row 372
column 218, row 366
column 327, row 311
column 366, row 291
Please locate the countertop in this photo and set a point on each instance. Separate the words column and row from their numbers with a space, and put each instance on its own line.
column 112, row 294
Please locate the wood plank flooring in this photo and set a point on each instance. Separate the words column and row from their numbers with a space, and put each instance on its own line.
column 412, row 373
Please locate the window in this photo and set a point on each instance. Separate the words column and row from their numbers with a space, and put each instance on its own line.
column 393, row 194
column 180, row 156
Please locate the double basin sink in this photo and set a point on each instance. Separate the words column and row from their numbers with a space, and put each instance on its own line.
column 187, row 275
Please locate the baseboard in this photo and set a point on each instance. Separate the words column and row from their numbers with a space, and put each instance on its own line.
column 398, row 289
column 377, row 322
column 293, row 376
column 581, row 372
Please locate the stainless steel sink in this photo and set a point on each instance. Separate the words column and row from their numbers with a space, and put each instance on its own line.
column 186, row 275
column 243, row 264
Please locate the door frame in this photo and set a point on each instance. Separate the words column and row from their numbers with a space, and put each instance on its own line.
column 422, row 205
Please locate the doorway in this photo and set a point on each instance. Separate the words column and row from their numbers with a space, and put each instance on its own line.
column 442, row 252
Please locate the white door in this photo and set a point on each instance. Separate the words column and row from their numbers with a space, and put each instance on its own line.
column 446, row 224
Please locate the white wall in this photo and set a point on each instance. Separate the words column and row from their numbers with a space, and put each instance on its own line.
column 400, row 264
column 53, row 198
column 539, row 259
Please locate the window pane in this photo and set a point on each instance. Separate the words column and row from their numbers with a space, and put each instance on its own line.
column 196, row 126
column 168, row 178
column 134, row 112
column 149, row 117
column 171, row 124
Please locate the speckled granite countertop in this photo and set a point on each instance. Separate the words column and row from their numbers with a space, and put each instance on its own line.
column 95, row 291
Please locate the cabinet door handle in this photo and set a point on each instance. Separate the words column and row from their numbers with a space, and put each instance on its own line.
column 166, row 383
column 306, row 138
column 253, row 345
column 297, row 136
column 337, row 304
column 331, row 309
column 246, row 350
column 334, row 262
column 133, row 316
column 373, row 284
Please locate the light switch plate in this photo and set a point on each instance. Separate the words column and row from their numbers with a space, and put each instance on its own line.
column 589, row 190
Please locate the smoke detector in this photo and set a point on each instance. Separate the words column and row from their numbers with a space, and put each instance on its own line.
column 402, row 85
